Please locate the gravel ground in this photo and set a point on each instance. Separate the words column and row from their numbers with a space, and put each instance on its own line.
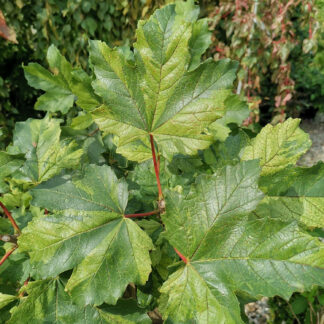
column 316, row 153
column 259, row 312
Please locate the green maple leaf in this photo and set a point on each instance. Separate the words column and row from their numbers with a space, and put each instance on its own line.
column 89, row 232
column 46, row 155
column 8, row 164
column 226, row 153
column 47, row 302
column 278, row 146
column 155, row 90
column 295, row 193
column 236, row 112
column 144, row 179
column 62, row 87
column 228, row 250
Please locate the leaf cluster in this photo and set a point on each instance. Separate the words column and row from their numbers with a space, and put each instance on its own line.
column 104, row 234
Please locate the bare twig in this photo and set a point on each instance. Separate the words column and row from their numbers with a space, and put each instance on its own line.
column 6, row 256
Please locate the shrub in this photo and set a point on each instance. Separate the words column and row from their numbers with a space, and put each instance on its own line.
column 268, row 38
column 94, row 240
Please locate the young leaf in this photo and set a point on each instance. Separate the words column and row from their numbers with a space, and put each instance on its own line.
column 199, row 41
column 47, row 302
column 144, row 181
column 225, row 153
column 46, row 155
column 227, row 251
column 89, row 231
column 81, row 122
column 295, row 193
column 6, row 299
column 278, row 146
column 153, row 91
column 8, row 164
column 63, row 86
column 236, row 112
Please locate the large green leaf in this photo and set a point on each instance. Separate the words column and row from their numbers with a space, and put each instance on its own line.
column 47, row 302
column 229, row 250
column 152, row 91
column 62, row 87
column 230, row 191
column 295, row 193
column 278, row 146
column 8, row 164
column 46, row 155
column 89, row 232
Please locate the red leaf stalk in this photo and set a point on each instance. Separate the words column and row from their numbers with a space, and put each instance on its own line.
column 25, row 284
column 6, row 256
column 156, row 168
column 182, row 257
column 154, row 212
column 8, row 214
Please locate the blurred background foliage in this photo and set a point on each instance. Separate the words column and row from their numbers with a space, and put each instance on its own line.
column 68, row 24
column 279, row 44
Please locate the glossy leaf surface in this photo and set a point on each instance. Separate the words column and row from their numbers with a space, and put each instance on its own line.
column 88, row 231
column 228, row 250
column 152, row 91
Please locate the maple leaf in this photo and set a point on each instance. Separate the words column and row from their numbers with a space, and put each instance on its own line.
column 236, row 111
column 46, row 155
column 62, row 87
column 47, row 302
column 155, row 91
column 228, row 250
column 8, row 164
column 225, row 153
column 295, row 193
column 89, row 232
column 278, row 146
column 144, row 182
